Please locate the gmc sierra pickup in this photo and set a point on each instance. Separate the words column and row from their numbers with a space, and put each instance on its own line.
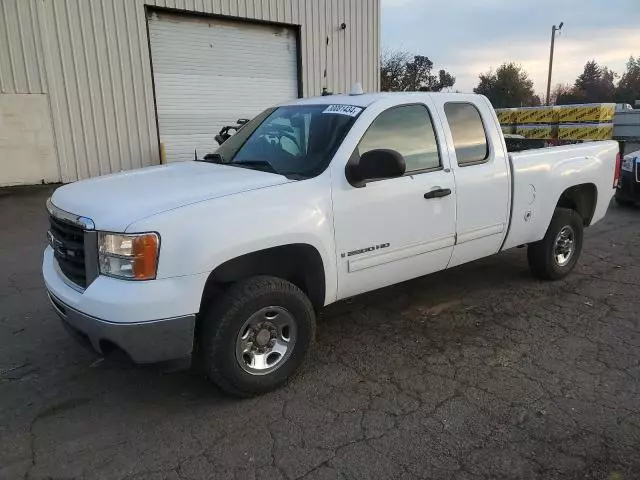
column 229, row 258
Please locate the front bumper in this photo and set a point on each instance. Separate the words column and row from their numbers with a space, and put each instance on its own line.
column 151, row 321
column 145, row 342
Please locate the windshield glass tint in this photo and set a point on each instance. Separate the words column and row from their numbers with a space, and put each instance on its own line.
column 297, row 141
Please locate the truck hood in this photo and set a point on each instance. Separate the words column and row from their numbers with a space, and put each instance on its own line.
column 115, row 201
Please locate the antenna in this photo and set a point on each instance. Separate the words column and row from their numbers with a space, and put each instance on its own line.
column 326, row 61
column 325, row 91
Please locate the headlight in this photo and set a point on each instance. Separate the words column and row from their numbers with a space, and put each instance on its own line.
column 132, row 257
column 627, row 164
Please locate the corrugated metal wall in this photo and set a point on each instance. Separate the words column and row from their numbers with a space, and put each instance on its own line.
column 21, row 62
column 92, row 59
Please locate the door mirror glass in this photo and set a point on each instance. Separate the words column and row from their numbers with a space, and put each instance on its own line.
column 376, row 165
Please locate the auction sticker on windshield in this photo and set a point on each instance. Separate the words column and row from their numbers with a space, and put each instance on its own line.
column 349, row 110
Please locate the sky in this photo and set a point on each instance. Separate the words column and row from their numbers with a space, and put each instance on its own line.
column 468, row 37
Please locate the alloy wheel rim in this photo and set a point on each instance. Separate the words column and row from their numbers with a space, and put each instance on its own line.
column 266, row 340
column 564, row 246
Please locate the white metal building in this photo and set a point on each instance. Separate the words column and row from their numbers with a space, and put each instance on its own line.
column 89, row 87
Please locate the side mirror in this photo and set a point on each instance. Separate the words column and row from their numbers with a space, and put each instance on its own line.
column 375, row 165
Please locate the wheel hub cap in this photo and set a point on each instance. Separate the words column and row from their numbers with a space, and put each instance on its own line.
column 265, row 340
column 564, row 246
column 263, row 337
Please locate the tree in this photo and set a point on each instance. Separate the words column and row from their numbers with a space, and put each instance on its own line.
column 565, row 95
column 595, row 84
column 508, row 86
column 536, row 101
column 628, row 90
column 392, row 68
column 400, row 72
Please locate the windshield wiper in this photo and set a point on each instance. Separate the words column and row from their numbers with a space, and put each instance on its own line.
column 261, row 165
column 258, row 164
column 212, row 158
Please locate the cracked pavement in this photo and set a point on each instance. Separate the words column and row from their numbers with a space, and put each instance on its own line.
column 480, row 372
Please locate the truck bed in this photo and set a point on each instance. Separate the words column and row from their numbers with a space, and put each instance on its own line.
column 539, row 178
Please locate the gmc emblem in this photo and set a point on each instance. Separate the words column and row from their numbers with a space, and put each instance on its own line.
column 57, row 245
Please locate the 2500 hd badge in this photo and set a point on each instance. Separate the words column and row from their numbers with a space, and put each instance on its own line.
column 365, row 250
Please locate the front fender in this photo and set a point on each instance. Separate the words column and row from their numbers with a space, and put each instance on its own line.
column 197, row 238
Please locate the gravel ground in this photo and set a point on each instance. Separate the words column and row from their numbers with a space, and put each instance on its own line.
column 481, row 372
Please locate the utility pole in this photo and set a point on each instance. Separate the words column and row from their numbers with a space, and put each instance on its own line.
column 554, row 29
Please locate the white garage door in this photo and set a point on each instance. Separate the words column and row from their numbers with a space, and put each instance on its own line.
column 209, row 72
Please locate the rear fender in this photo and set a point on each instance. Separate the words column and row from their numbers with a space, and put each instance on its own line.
column 546, row 178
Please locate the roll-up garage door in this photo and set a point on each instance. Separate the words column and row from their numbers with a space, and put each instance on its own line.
column 210, row 72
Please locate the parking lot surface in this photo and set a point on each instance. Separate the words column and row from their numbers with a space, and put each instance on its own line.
column 480, row 372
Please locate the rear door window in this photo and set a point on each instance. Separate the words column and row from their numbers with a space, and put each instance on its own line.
column 467, row 130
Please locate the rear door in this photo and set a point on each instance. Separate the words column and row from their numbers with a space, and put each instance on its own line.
column 481, row 169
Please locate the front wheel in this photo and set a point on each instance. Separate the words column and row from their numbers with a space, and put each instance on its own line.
column 256, row 336
column 553, row 257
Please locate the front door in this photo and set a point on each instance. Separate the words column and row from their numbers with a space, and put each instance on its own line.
column 396, row 229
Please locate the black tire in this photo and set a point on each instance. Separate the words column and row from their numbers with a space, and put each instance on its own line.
column 542, row 254
column 221, row 324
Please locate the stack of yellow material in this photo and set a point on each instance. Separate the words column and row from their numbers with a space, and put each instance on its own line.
column 537, row 132
column 506, row 116
column 585, row 131
column 565, row 122
column 588, row 112
column 534, row 115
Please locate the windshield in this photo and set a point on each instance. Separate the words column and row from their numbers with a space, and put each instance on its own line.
column 296, row 141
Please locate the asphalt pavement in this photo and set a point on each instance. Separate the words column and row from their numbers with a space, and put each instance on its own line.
column 480, row 372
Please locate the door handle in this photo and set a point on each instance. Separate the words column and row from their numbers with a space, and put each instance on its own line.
column 437, row 193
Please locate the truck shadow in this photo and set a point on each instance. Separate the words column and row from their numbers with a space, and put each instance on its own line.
column 432, row 297
column 460, row 285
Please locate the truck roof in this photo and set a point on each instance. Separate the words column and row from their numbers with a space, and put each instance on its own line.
column 366, row 99
column 362, row 100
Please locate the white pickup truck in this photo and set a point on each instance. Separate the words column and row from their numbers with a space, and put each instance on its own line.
column 310, row 202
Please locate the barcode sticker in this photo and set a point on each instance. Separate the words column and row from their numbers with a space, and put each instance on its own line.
column 349, row 110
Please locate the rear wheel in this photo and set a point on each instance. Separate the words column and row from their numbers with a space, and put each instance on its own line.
column 553, row 257
column 257, row 335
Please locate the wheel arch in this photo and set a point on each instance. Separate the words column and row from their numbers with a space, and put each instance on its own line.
column 582, row 198
column 298, row 263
